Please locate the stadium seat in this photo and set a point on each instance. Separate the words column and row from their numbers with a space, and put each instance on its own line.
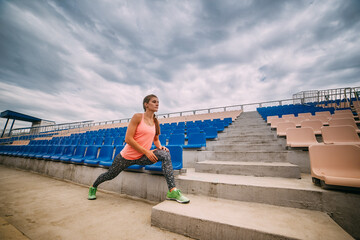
column 105, row 154
column 119, row 141
column 91, row 154
column 58, row 153
column 340, row 134
column 283, row 126
column 108, row 141
column 41, row 151
column 107, row 164
column 323, row 113
column 211, row 133
column 79, row 153
column 316, row 125
column 176, row 140
column 300, row 137
column 335, row 164
column 68, row 153
column 196, row 140
column 51, row 151
column 344, row 122
column 176, row 154
column 296, row 120
column 306, row 115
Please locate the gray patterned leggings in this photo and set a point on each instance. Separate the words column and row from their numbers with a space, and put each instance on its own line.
column 121, row 163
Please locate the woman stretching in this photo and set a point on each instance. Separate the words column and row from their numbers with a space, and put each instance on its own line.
column 143, row 130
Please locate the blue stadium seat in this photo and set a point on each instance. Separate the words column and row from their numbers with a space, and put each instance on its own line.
column 58, row 153
column 176, row 140
column 107, row 164
column 108, row 141
column 105, row 154
column 50, row 152
column 196, row 140
column 211, row 132
column 99, row 141
column 119, row 141
column 79, row 152
column 32, row 152
column 91, row 154
column 68, row 153
column 41, row 151
column 176, row 153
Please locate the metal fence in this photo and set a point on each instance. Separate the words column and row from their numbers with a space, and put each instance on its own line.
column 305, row 97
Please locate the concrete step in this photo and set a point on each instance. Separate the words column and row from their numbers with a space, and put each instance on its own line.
column 245, row 156
column 257, row 169
column 247, row 137
column 251, row 131
column 209, row 218
column 287, row 192
column 246, row 146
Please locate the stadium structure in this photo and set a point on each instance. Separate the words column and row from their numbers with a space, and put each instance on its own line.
column 282, row 169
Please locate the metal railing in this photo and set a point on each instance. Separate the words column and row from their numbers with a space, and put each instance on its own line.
column 305, row 97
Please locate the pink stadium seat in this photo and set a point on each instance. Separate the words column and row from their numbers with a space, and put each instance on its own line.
column 344, row 122
column 305, row 115
column 285, row 116
column 323, row 119
column 283, row 126
column 343, row 111
column 326, row 113
column 316, row 125
column 300, row 137
column 340, row 134
column 296, row 120
column 270, row 118
column 275, row 122
column 335, row 164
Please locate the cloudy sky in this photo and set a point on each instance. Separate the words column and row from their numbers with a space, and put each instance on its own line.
column 71, row 60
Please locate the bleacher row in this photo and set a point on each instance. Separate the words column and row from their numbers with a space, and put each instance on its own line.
column 99, row 148
column 330, row 135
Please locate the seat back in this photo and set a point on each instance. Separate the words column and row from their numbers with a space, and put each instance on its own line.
column 177, row 139
column 305, row 115
column 176, row 153
column 80, row 151
column 316, row 125
column 197, row 139
column 300, row 137
column 282, row 127
column 343, row 122
column 106, row 153
column 324, row 113
column 339, row 134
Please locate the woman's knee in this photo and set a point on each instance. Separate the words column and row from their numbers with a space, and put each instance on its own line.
column 162, row 155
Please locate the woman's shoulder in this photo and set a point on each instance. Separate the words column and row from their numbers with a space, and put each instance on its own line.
column 137, row 117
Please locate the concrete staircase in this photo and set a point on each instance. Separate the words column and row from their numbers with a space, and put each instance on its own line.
column 243, row 187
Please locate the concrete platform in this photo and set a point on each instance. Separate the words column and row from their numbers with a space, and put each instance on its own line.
column 33, row 206
column 210, row 218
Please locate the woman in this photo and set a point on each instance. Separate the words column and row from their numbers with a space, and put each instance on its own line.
column 143, row 130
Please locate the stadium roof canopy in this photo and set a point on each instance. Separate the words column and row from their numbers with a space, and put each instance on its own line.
column 16, row 116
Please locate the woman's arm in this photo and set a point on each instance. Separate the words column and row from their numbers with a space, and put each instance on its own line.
column 129, row 137
column 157, row 143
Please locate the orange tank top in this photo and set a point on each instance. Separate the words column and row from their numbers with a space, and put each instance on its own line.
column 144, row 135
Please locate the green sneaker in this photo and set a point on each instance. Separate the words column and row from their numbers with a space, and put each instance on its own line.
column 92, row 193
column 177, row 196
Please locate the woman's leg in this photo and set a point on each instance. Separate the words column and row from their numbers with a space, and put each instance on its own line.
column 115, row 169
column 167, row 168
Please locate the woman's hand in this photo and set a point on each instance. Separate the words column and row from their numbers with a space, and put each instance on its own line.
column 151, row 156
column 164, row 148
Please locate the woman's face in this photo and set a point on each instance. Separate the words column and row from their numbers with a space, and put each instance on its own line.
column 153, row 104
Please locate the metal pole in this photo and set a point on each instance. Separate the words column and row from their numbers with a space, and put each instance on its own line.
column 5, row 127
column 11, row 127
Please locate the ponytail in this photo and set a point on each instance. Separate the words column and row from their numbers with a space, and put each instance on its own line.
column 157, row 126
